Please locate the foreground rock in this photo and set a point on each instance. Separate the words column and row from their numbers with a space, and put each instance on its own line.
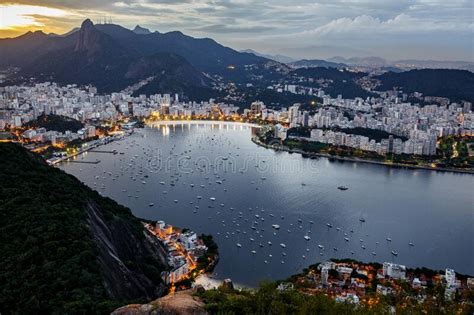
column 65, row 249
column 180, row 303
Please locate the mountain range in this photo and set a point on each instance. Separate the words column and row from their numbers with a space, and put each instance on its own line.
column 112, row 57
column 314, row 63
column 277, row 57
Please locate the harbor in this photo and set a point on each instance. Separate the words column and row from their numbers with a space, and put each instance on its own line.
column 216, row 181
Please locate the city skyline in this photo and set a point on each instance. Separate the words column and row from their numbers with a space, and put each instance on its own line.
column 308, row 29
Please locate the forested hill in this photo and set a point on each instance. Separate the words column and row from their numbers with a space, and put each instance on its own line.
column 457, row 85
column 56, row 123
column 64, row 248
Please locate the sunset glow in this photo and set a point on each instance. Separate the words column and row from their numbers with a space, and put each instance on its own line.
column 17, row 16
column 396, row 30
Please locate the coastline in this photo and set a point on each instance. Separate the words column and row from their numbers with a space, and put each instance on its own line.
column 358, row 160
column 198, row 122
column 97, row 144
column 312, row 154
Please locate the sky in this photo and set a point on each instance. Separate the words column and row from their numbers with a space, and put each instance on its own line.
column 392, row 29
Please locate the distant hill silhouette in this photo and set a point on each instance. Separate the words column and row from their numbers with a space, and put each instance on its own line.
column 311, row 63
column 112, row 57
column 456, row 85
column 343, row 81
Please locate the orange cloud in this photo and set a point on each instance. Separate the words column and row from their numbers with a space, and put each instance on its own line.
column 16, row 19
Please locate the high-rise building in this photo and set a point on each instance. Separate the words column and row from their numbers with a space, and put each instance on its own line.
column 305, row 119
column 256, row 108
column 293, row 115
column 390, row 144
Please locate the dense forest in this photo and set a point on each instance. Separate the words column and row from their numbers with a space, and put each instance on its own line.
column 456, row 85
column 56, row 123
column 343, row 81
column 53, row 256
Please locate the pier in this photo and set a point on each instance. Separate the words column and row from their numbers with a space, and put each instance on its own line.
column 85, row 162
column 104, row 151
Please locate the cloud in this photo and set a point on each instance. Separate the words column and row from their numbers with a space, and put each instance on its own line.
column 276, row 25
column 225, row 29
column 401, row 24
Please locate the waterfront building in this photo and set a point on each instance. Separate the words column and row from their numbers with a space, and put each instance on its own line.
column 394, row 271
column 280, row 132
column 256, row 108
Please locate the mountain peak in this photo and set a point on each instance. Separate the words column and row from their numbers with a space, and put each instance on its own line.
column 141, row 30
column 87, row 24
column 35, row 34
column 89, row 37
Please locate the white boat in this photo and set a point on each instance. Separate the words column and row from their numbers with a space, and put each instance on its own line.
column 282, row 245
column 239, row 245
column 306, row 237
column 394, row 253
column 212, row 199
column 276, row 226
column 321, row 246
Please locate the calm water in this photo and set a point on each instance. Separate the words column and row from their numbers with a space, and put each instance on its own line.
column 179, row 168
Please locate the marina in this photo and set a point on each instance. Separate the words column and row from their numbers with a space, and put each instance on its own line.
column 254, row 198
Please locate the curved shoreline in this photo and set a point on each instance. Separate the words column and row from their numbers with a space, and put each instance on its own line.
column 313, row 154
column 357, row 160
column 198, row 122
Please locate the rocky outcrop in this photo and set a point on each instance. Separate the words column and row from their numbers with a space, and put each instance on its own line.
column 121, row 257
column 180, row 303
column 89, row 38
column 141, row 30
column 65, row 248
